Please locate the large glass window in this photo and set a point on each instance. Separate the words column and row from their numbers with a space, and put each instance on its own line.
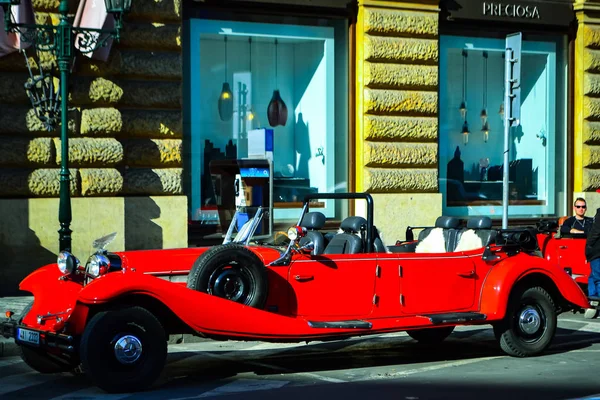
column 272, row 91
column 472, row 141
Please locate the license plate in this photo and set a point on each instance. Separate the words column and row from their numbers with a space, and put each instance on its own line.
column 27, row 336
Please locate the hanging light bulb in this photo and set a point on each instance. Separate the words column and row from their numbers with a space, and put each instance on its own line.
column 486, row 131
column 484, row 114
column 463, row 104
column 465, row 132
column 226, row 97
column 501, row 111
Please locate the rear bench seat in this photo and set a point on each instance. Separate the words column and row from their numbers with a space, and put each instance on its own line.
column 441, row 238
column 478, row 234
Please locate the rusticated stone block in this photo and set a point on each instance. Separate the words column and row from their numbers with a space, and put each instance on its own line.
column 591, row 132
column 138, row 64
column 400, row 22
column 400, row 154
column 591, row 36
column 155, row 10
column 91, row 152
column 34, row 183
column 12, row 88
column 591, row 180
column 380, row 180
column 153, row 124
column 153, row 181
column 148, row 94
column 395, row 76
column 105, row 91
column 46, row 5
column 22, row 120
column 591, row 108
column 591, row 60
column 153, row 152
column 591, row 156
column 100, row 182
column 153, row 36
column 414, row 51
column 23, row 151
column 400, row 102
column 414, row 129
column 591, row 84
column 101, row 122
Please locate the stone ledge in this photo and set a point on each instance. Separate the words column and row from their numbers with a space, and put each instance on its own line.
column 400, row 22
column 397, row 76
column 400, row 102
column 413, row 51
column 380, row 180
column 414, row 155
column 414, row 129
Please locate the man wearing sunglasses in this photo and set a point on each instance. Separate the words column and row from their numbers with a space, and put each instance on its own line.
column 578, row 223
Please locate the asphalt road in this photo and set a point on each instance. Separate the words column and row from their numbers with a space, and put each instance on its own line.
column 468, row 365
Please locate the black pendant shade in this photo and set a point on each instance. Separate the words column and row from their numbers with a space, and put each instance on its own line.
column 226, row 103
column 277, row 111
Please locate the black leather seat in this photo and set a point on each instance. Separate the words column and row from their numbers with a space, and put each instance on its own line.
column 313, row 221
column 350, row 241
column 450, row 229
column 483, row 229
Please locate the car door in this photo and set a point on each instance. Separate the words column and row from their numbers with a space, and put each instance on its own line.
column 571, row 256
column 337, row 286
column 437, row 283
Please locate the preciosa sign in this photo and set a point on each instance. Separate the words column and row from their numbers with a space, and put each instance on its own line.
column 510, row 10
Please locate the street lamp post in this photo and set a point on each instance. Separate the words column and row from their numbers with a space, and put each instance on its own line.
column 60, row 40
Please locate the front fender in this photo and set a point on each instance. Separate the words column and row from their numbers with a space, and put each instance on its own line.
column 503, row 277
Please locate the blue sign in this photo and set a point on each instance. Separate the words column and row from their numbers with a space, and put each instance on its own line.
column 254, row 172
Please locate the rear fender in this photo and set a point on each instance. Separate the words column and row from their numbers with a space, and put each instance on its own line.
column 522, row 268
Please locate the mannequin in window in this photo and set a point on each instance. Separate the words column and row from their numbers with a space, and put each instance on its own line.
column 578, row 223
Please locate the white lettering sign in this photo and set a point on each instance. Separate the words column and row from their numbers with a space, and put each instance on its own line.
column 510, row 10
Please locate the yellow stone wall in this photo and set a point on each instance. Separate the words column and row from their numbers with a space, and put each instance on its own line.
column 125, row 146
column 396, row 110
column 587, row 97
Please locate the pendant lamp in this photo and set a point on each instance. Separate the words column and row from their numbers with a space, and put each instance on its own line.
column 465, row 132
column 485, row 127
column 277, row 111
column 463, row 104
column 226, row 96
column 250, row 114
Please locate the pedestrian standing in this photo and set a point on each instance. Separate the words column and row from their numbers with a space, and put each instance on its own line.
column 592, row 254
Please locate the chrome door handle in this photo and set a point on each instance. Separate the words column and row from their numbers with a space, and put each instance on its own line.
column 563, row 247
column 304, row 278
column 469, row 274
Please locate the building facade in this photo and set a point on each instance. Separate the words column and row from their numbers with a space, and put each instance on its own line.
column 401, row 99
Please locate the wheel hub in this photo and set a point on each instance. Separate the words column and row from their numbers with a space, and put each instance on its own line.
column 529, row 320
column 128, row 349
column 229, row 285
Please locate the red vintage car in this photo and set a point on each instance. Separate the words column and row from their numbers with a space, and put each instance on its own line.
column 112, row 315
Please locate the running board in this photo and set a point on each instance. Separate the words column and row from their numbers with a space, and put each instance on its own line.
column 357, row 324
column 455, row 317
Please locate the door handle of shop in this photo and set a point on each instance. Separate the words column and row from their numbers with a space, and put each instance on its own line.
column 304, row 278
column 469, row 274
column 563, row 247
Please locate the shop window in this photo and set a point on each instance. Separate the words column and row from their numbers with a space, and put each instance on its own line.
column 472, row 128
column 272, row 91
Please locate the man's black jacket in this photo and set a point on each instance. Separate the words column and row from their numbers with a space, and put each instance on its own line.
column 592, row 244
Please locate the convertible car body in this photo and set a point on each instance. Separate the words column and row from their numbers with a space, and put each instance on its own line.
column 112, row 316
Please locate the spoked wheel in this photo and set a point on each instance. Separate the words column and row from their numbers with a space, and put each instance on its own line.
column 123, row 350
column 430, row 335
column 231, row 272
column 529, row 325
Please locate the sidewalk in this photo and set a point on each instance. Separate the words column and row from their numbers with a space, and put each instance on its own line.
column 9, row 348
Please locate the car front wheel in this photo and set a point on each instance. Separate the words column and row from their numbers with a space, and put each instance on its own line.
column 529, row 325
column 123, row 350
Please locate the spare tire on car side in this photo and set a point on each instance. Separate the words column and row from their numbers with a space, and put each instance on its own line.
column 232, row 272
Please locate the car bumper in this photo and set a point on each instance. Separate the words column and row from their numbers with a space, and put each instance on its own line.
column 47, row 340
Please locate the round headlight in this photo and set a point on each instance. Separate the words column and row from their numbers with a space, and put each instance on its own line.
column 98, row 265
column 66, row 262
column 292, row 233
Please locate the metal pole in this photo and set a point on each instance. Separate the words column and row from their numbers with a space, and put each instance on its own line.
column 64, row 56
column 507, row 123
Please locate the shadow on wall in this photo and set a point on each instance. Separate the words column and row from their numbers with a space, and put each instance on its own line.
column 302, row 144
column 141, row 233
column 20, row 247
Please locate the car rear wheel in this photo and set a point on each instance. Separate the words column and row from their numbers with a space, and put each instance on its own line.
column 430, row 335
column 232, row 272
column 529, row 325
column 123, row 350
